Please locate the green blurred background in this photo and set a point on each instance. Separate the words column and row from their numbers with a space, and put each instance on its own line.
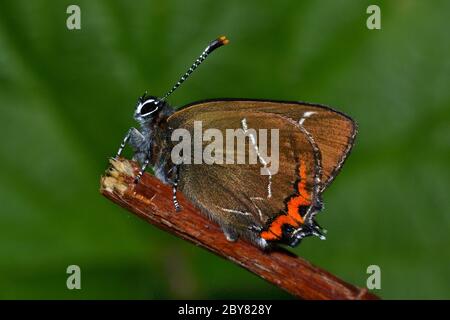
column 67, row 98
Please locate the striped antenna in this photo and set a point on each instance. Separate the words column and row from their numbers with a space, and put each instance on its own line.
column 217, row 43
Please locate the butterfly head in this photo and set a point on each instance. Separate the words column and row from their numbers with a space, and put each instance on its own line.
column 148, row 108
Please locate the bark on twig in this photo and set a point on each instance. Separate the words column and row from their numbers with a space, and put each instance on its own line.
column 152, row 201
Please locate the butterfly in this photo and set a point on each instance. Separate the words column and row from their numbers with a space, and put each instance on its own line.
column 277, row 207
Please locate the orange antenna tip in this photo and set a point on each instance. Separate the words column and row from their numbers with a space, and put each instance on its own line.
column 223, row 40
column 217, row 43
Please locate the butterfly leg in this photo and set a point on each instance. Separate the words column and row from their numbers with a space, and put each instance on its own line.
column 174, row 189
column 141, row 172
column 133, row 137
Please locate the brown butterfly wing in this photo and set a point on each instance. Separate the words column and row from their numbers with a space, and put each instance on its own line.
column 238, row 196
column 332, row 131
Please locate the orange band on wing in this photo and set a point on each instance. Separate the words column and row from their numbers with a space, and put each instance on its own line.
column 267, row 235
column 275, row 230
column 302, row 199
column 302, row 183
column 293, row 217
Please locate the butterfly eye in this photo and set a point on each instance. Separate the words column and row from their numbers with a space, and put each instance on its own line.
column 149, row 107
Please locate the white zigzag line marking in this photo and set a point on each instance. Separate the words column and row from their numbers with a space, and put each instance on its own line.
column 263, row 161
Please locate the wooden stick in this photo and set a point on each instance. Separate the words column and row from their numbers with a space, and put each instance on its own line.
column 152, row 201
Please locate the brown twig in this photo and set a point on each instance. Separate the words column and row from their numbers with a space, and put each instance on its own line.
column 152, row 201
